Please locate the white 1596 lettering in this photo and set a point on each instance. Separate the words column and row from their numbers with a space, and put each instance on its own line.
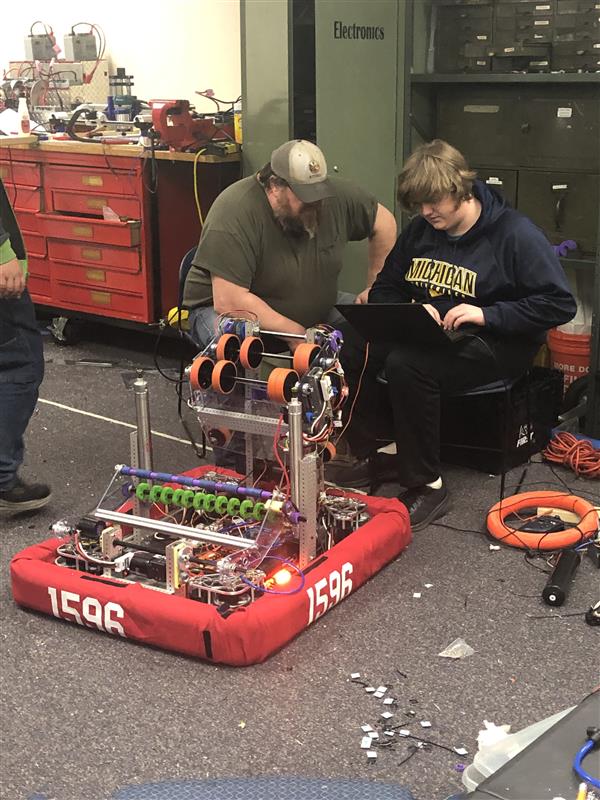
column 88, row 612
column 328, row 592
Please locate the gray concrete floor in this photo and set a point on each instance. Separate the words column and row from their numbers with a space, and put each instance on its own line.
column 85, row 713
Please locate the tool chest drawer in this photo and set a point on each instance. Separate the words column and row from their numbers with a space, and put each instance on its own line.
column 84, row 178
column 126, row 234
column 119, row 258
column 24, row 198
column 28, row 221
column 98, row 277
column 35, row 244
column 72, row 202
column 101, row 301
column 21, row 172
column 38, row 281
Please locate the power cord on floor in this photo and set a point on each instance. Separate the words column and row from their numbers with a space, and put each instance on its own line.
column 578, row 454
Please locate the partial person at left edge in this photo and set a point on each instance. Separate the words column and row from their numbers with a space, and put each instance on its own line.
column 21, row 366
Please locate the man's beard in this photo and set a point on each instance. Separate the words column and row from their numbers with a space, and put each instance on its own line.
column 305, row 223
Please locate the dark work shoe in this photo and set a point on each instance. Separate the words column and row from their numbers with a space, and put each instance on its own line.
column 425, row 505
column 361, row 473
column 348, row 471
column 24, row 497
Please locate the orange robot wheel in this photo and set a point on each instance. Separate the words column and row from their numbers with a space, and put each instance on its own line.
column 223, row 377
column 201, row 373
column 251, row 352
column 228, row 347
column 304, row 355
column 280, row 384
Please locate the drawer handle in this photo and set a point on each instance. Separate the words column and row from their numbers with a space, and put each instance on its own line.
column 96, row 202
column 91, row 254
column 83, row 230
column 101, row 298
column 92, row 180
column 95, row 274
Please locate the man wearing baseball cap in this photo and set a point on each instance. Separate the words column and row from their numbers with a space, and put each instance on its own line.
column 273, row 244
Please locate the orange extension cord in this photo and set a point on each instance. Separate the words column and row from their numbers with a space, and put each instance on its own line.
column 578, row 454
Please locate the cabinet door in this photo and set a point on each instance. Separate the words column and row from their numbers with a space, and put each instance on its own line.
column 356, row 95
column 481, row 122
column 561, row 128
column 504, row 180
column 563, row 204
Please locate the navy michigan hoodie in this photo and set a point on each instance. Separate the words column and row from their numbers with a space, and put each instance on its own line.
column 504, row 264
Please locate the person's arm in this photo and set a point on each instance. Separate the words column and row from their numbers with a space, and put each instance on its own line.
column 381, row 242
column 13, row 274
column 228, row 296
column 543, row 299
column 389, row 285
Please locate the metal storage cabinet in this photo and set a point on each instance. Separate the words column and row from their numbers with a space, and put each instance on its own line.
column 563, row 204
column 504, row 180
column 557, row 128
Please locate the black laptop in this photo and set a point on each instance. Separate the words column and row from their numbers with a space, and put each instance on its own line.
column 399, row 322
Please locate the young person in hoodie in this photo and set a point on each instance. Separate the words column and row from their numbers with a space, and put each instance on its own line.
column 475, row 264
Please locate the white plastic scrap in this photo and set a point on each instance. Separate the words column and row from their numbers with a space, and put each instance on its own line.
column 491, row 734
column 388, row 733
column 373, row 735
column 417, row 595
column 382, row 689
column 404, row 732
column 365, row 742
column 494, row 547
column 388, row 701
column 366, row 728
column 428, row 585
column 457, row 649
column 354, row 675
column 369, row 689
column 425, row 723
column 371, row 755
column 461, row 751
column 387, row 715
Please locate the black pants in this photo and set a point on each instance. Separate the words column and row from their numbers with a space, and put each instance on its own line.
column 407, row 407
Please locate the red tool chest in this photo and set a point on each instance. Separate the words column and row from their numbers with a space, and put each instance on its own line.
column 78, row 260
column 125, row 267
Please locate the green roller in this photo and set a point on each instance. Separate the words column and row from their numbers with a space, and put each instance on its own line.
column 209, row 502
column 198, row 502
column 221, row 504
column 156, row 493
column 166, row 496
column 246, row 508
column 177, row 497
column 259, row 512
column 142, row 492
column 187, row 498
column 233, row 506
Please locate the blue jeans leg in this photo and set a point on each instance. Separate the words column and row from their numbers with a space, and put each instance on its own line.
column 21, row 372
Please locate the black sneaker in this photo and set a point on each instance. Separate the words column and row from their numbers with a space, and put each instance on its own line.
column 361, row 473
column 425, row 505
column 348, row 471
column 24, row 497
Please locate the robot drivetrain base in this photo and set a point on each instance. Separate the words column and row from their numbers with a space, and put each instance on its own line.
column 209, row 631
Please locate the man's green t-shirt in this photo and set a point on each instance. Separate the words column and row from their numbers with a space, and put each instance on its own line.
column 243, row 243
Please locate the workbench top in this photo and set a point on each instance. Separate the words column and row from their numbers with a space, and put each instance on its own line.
column 70, row 146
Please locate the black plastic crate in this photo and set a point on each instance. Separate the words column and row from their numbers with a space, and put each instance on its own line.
column 497, row 430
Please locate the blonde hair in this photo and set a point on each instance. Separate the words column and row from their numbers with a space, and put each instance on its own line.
column 433, row 171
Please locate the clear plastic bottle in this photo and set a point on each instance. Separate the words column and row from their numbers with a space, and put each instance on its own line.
column 24, row 118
